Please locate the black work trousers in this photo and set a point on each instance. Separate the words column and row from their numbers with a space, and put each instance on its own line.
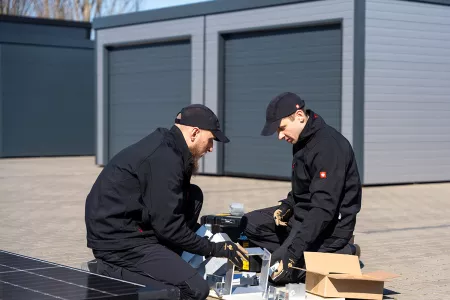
column 159, row 266
column 261, row 230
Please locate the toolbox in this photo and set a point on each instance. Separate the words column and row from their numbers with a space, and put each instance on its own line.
column 224, row 223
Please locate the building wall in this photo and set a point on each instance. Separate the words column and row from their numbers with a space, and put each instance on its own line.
column 316, row 12
column 48, row 100
column 46, row 88
column 43, row 31
column 1, row 103
column 407, row 92
column 189, row 28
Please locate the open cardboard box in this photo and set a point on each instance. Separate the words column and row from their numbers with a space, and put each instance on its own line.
column 339, row 275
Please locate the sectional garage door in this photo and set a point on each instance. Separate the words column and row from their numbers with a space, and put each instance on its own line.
column 148, row 85
column 260, row 65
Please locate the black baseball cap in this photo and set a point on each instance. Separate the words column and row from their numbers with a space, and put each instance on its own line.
column 281, row 106
column 198, row 115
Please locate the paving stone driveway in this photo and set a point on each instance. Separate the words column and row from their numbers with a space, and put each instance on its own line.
column 402, row 229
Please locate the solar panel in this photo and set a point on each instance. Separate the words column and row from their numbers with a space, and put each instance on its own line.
column 23, row 277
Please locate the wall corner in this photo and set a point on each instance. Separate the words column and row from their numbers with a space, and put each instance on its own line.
column 101, row 92
column 359, row 82
column 1, row 105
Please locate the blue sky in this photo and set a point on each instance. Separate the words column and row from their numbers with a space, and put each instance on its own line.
column 153, row 4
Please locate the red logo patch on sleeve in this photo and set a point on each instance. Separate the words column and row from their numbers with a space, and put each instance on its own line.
column 323, row 174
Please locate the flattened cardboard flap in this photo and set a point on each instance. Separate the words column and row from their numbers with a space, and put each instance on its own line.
column 329, row 263
column 381, row 275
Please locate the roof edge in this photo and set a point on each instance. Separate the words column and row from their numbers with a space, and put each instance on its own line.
column 208, row 7
column 44, row 21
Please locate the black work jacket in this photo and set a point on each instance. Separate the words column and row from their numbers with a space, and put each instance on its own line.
column 326, row 187
column 139, row 197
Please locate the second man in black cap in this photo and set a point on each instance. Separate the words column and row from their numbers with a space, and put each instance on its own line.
column 142, row 211
column 319, row 213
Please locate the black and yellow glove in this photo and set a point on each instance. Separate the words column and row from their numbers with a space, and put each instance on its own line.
column 234, row 252
column 283, row 214
column 286, row 269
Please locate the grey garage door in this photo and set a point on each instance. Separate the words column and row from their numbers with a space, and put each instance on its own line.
column 259, row 66
column 148, row 85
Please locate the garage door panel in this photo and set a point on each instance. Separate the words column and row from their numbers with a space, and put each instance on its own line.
column 310, row 94
column 153, row 69
column 313, row 73
column 126, row 61
column 134, row 117
column 249, row 95
column 157, row 99
column 152, row 83
column 148, row 85
column 267, row 93
column 254, row 79
column 128, row 139
column 263, row 39
column 160, row 51
column 278, row 151
column 234, row 115
column 124, row 55
column 289, row 66
column 237, row 112
column 325, row 108
column 153, row 74
column 253, row 104
column 259, row 66
column 289, row 43
column 303, row 54
column 160, row 68
column 308, row 60
column 309, row 85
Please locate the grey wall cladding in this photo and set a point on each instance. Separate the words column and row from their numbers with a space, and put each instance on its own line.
column 47, row 101
column 257, row 67
column 148, row 85
column 42, row 31
column 47, row 89
column 407, row 102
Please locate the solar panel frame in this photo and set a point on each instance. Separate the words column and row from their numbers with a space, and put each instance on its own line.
column 22, row 277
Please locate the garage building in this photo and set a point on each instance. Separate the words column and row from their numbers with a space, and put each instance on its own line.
column 376, row 70
column 46, row 87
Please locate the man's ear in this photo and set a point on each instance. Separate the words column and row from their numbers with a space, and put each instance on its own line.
column 301, row 115
column 195, row 133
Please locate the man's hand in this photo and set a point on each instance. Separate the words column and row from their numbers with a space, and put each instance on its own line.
column 234, row 252
column 282, row 214
column 278, row 218
column 283, row 274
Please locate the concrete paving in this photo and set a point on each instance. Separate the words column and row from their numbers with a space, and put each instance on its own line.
column 401, row 229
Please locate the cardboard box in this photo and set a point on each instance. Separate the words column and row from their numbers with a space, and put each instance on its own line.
column 339, row 275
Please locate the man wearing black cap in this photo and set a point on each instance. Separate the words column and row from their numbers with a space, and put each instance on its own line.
column 142, row 211
column 319, row 213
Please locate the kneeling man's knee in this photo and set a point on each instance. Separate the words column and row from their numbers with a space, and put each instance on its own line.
column 195, row 288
